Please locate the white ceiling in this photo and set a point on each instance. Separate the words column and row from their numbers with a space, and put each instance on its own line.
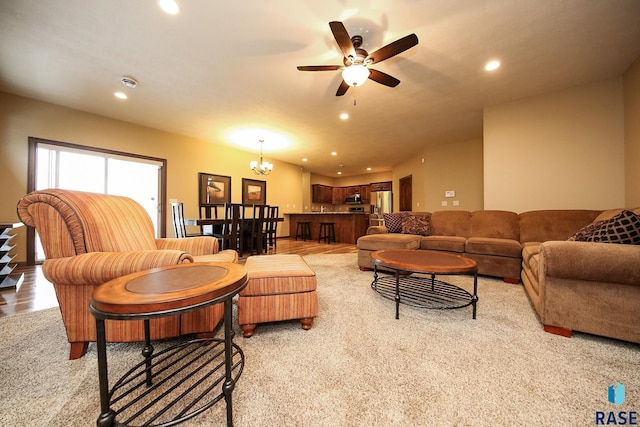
column 219, row 67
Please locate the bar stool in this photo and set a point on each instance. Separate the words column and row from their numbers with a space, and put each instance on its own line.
column 327, row 232
column 303, row 230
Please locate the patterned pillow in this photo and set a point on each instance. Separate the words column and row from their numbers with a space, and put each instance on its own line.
column 586, row 232
column 393, row 221
column 623, row 228
column 417, row 224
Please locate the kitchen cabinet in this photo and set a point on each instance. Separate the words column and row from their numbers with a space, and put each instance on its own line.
column 380, row 186
column 339, row 194
column 321, row 193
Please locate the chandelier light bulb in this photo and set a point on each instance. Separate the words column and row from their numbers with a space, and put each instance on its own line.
column 261, row 167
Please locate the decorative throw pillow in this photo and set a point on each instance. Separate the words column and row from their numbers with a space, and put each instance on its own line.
column 623, row 228
column 393, row 221
column 417, row 224
column 586, row 232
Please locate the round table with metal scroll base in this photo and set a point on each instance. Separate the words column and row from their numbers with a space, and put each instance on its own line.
column 414, row 283
column 177, row 383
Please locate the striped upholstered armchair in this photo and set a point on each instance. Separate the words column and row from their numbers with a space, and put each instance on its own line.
column 89, row 239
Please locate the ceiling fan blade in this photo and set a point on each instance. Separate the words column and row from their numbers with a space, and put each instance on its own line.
column 342, row 89
column 319, row 67
column 392, row 49
column 342, row 38
column 383, row 78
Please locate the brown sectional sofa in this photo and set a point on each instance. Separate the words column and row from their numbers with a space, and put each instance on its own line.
column 583, row 286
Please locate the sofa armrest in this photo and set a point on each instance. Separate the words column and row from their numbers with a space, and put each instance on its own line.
column 599, row 262
column 377, row 229
column 200, row 245
column 96, row 268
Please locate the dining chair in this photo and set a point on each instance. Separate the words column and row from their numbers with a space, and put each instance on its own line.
column 271, row 227
column 179, row 227
column 254, row 229
column 211, row 211
column 231, row 233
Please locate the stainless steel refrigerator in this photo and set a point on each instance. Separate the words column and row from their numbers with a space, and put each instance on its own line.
column 381, row 202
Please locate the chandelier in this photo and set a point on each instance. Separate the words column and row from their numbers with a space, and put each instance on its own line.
column 262, row 167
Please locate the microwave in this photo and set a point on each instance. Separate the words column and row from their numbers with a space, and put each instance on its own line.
column 354, row 198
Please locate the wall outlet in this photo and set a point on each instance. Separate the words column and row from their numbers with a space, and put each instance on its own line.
column 456, row 203
column 444, row 203
column 450, row 193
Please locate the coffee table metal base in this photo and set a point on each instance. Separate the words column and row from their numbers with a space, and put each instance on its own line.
column 423, row 291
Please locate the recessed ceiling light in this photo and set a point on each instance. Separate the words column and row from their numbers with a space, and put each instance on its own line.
column 368, row 169
column 120, row 95
column 344, row 116
column 129, row 82
column 492, row 65
column 339, row 173
column 333, row 153
column 169, row 6
column 304, row 160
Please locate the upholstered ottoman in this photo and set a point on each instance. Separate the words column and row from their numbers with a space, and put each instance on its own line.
column 280, row 287
column 375, row 242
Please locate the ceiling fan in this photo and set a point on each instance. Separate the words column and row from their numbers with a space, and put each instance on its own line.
column 357, row 60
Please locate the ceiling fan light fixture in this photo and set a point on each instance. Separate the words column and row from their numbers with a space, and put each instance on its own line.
column 355, row 75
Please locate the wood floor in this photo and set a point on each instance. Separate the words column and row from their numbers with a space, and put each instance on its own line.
column 36, row 293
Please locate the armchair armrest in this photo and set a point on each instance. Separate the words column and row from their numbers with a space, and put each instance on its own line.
column 377, row 229
column 602, row 262
column 96, row 268
column 201, row 245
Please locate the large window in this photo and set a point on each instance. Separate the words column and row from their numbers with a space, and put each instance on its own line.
column 73, row 167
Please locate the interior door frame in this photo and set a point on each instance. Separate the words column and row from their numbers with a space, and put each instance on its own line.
column 31, row 182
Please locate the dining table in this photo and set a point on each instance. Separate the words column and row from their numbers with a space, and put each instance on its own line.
column 218, row 222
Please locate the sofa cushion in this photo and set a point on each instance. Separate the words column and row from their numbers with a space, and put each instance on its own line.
column 494, row 223
column 417, row 224
column 393, row 221
column 489, row 246
column 451, row 223
column 541, row 226
column 443, row 243
column 623, row 228
column 376, row 242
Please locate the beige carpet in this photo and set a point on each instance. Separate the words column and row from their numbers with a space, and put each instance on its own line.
column 357, row 366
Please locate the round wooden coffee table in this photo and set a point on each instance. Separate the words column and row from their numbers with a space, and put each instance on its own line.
column 177, row 383
column 414, row 281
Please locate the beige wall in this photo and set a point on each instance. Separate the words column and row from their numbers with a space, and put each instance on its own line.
column 447, row 167
column 632, row 134
column 22, row 117
column 560, row 150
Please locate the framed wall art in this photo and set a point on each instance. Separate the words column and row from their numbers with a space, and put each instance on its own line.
column 254, row 192
column 214, row 189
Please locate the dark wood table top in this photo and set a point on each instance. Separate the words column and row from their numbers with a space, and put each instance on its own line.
column 421, row 261
column 220, row 221
column 168, row 288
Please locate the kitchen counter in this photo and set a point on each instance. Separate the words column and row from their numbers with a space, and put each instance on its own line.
column 348, row 225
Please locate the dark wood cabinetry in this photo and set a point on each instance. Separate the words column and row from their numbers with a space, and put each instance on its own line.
column 321, row 194
column 380, row 186
column 337, row 195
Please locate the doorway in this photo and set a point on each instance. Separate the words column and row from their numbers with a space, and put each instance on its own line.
column 406, row 193
column 54, row 164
